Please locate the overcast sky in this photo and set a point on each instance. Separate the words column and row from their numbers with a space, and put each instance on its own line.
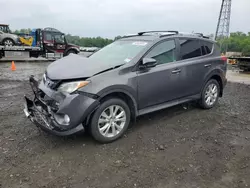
column 109, row 18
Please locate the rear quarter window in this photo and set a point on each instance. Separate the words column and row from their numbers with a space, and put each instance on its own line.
column 207, row 47
column 216, row 50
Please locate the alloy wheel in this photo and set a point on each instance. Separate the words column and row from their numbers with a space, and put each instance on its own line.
column 8, row 42
column 211, row 94
column 112, row 121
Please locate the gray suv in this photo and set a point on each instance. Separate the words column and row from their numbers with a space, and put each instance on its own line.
column 133, row 76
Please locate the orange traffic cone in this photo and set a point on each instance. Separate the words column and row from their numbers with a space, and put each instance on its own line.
column 13, row 66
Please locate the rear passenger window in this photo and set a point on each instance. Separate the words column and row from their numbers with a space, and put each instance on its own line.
column 163, row 52
column 190, row 48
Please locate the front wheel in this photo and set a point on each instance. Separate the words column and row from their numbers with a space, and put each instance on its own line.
column 71, row 52
column 210, row 94
column 110, row 120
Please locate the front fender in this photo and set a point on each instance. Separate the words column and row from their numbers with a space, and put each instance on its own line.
column 120, row 89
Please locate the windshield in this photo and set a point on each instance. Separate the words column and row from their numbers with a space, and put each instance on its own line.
column 4, row 28
column 119, row 52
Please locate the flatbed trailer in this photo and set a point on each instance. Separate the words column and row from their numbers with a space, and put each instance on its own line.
column 242, row 63
column 20, row 51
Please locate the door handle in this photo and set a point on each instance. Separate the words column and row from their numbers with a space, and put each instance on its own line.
column 207, row 65
column 176, row 71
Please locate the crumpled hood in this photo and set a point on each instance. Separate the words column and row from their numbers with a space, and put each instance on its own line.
column 74, row 67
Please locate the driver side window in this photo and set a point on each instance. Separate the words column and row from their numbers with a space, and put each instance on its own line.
column 59, row 38
column 48, row 36
column 165, row 52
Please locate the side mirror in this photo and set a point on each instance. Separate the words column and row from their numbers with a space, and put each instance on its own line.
column 148, row 63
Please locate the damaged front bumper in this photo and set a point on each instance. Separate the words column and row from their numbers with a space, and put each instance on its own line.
column 45, row 109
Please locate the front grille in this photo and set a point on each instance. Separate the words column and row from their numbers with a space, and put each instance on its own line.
column 42, row 117
column 53, row 104
column 50, row 83
column 48, row 101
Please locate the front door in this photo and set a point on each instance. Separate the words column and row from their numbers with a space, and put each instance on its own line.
column 159, row 84
column 59, row 42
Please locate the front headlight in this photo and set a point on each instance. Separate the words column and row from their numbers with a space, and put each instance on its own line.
column 70, row 87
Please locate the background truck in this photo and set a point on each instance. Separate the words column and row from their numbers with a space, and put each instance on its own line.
column 40, row 42
column 243, row 63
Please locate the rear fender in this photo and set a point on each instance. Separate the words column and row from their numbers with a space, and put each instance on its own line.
column 215, row 72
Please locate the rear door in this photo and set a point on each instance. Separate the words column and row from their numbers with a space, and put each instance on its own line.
column 195, row 61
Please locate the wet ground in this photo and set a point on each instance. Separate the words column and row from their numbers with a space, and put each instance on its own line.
column 23, row 70
column 180, row 147
column 238, row 77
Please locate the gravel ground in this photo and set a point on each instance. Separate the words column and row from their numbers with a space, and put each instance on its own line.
column 180, row 147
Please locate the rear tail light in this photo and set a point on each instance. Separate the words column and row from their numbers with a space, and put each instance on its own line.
column 224, row 58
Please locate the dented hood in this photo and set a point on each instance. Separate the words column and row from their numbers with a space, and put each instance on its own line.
column 74, row 67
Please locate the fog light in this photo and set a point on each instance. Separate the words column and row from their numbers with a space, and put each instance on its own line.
column 62, row 119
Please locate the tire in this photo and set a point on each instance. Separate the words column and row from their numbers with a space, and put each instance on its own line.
column 8, row 42
column 113, row 129
column 206, row 103
column 71, row 52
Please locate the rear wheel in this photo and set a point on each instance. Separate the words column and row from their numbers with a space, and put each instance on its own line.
column 210, row 94
column 110, row 120
column 8, row 42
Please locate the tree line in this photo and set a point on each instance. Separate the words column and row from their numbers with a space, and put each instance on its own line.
column 237, row 42
column 88, row 41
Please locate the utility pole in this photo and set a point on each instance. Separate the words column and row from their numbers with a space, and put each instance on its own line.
column 222, row 30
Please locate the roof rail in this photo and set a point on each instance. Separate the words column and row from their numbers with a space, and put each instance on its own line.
column 166, row 35
column 141, row 33
column 127, row 36
column 201, row 35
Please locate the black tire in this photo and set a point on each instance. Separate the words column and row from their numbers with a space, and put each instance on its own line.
column 10, row 40
column 202, row 101
column 71, row 52
column 94, row 130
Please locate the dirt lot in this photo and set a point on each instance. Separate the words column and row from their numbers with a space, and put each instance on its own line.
column 183, row 146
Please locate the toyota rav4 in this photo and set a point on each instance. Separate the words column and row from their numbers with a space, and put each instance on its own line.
column 134, row 75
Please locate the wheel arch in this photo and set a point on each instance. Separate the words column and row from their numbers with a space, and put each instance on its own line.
column 8, row 38
column 71, row 49
column 126, row 97
column 216, row 75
